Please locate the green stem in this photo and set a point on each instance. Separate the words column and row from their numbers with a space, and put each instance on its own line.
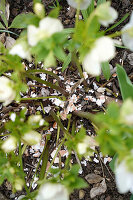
column 21, row 167
column 44, row 71
column 75, row 59
column 55, row 156
column 47, row 84
column 77, row 15
column 62, row 98
column 52, row 113
column 44, row 160
column 85, row 115
column 6, row 31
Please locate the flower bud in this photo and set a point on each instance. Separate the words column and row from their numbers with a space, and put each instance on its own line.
column 9, row 144
column 39, row 10
column 31, row 137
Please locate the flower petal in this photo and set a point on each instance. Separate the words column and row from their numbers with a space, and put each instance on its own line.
column 83, row 3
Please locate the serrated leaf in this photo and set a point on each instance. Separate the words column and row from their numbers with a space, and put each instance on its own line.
column 23, row 20
column 1, row 25
column 106, row 70
column 60, row 54
column 3, row 12
column 66, row 62
column 125, row 84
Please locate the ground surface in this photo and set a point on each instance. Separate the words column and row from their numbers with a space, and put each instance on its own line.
column 89, row 101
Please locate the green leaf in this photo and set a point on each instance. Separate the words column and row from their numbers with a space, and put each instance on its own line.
column 106, row 70
column 126, row 86
column 3, row 12
column 91, row 8
column 59, row 53
column 118, row 23
column 23, row 20
column 112, row 163
column 66, row 62
column 100, row 2
column 54, row 13
column 85, row 14
column 131, row 197
column 1, row 25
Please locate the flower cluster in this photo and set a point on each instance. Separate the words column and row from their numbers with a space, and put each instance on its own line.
column 47, row 27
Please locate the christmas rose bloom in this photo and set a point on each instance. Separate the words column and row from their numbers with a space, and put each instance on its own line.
column 124, row 178
column 102, row 51
column 7, row 94
column 83, row 3
column 31, row 137
column 106, row 14
column 83, row 146
column 47, row 27
column 9, row 144
column 126, row 113
column 51, row 191
column 34, row 119
column 21, row 49
column 127, row 35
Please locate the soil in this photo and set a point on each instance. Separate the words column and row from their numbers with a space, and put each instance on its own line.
column 100, row 168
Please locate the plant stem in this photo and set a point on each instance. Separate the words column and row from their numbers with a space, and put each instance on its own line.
column 62, row 98
column 21, row 167
column 60, row 124
column 44, row 160
column 55, row 155
column 44, row 71
column 47, row 84
column 85, row 115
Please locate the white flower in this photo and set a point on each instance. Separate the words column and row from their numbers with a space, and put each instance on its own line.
column 7, row 94
column 127, row 35
column 126, row 113
column 88, row 142
column 9, row 144
column 103, row 51
column 47, row 27
column 83, row 3
column 31, row 137
column 106, row 14
column 34, row 119
column 51, row 191
column 18, row 184
column 39, row 10
column 13, row 117
column 124, row 178
column 21, row 50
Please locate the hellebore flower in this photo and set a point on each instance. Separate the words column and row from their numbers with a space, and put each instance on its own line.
column 7, row 94
column 83, row 3
column 31, row 137
column 126, row 113
column 51, row 191
column 83, row 146
column 106, row 14
column 21, row 49
column 124, row 178
column 127, row 35
column 47, row 27
column 9, row 144
column 102, row 51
